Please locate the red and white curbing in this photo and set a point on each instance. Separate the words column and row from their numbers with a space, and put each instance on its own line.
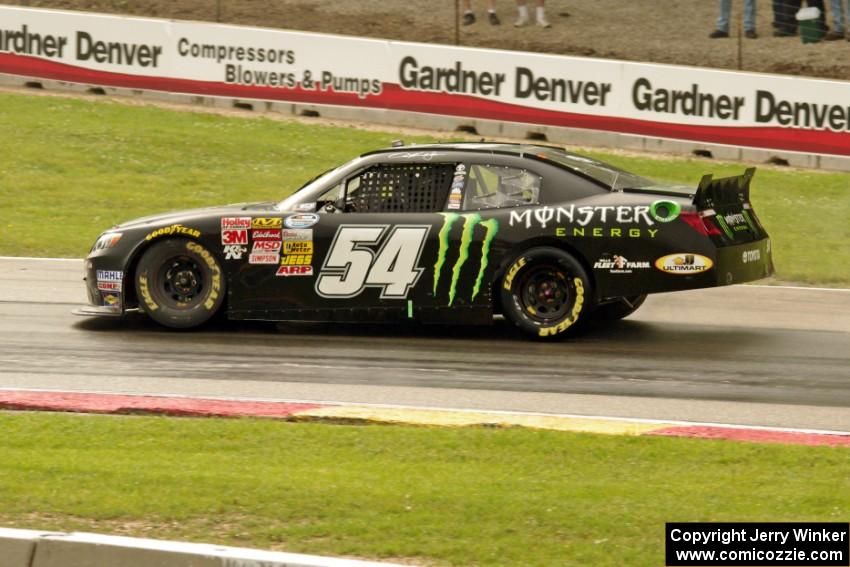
column 92, row 402
column 29, row 548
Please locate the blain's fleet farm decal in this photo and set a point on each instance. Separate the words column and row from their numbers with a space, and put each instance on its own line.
column 758, row 110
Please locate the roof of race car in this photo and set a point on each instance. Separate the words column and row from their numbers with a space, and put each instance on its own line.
column 486, row 147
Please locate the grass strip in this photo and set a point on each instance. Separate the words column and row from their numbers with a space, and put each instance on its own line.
column 436, row 496
column 70, row 168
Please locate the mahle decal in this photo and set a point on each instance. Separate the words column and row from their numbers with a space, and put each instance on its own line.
column 470, row 221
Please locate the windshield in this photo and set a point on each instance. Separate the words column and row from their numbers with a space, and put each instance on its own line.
column 605, row 173
column 310, row 191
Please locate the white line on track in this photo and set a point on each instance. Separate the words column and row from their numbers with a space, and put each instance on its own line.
column 453, row 410
column 41, row 259
column 800, row 287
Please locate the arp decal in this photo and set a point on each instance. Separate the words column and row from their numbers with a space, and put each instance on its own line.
column 684, row 264
column 470, row 221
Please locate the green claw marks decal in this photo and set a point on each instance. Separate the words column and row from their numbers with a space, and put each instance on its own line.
column 450, row 219
column 470, row 221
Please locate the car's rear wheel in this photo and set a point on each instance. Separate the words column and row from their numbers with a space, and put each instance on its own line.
column 179, row 283
column 619, row 309
column 545, row 292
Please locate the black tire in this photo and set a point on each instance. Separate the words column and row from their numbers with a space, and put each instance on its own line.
column 179, row 283
column 545, row 292
column 619, row 309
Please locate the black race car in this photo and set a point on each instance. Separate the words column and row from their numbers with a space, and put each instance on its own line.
column 437, row 233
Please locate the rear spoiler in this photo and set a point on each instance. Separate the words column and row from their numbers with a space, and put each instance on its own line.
column 725, row 191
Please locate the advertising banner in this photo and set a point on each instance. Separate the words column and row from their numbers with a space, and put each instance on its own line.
column 683, row 103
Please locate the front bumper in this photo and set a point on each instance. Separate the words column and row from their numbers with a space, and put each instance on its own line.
column 96, row 311
column 105, row 286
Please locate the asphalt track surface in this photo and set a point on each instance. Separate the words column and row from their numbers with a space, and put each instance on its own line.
column 750, row 355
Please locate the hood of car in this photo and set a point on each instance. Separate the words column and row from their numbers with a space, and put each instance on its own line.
column 188, row 214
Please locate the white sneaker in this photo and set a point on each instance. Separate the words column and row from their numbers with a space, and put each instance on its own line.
column 543, row 23
column 521, row 21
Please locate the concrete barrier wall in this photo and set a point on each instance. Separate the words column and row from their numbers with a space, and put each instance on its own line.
column 27, row 548
column 573, row 100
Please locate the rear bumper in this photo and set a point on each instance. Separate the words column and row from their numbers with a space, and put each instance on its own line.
column 744, row 262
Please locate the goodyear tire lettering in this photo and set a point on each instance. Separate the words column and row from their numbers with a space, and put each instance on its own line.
column 215, row 286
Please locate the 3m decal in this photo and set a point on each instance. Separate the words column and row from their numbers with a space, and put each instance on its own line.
column 235, row 223
column 683, row 264
column 301, row 220
column 352, row 264
column 273, row 223
column 229, row 237
column 234, row 252
column 470, row 222
column 173, row 229
column 574, row 314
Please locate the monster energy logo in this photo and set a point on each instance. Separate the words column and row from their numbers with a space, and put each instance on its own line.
column 470, row 221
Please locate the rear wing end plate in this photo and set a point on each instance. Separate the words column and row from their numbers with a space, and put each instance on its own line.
column 725, row 191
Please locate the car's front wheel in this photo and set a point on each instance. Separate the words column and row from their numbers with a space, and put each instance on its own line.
column 545, row 292
column 179, row 283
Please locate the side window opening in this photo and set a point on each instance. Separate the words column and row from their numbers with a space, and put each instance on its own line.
column 385, row 188
column 495, row 186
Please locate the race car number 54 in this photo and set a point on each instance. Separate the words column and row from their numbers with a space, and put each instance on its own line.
column 373, row 256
